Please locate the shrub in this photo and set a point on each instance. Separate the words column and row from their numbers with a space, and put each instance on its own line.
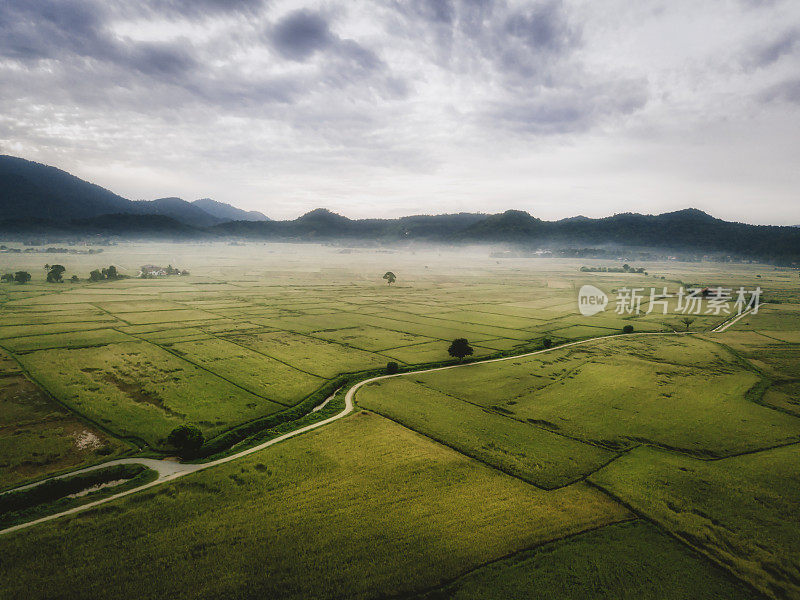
column 547, row 342
column 186, row 438
column 392, row 368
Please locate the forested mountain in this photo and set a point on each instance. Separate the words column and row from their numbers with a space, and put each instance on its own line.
column 226, row 212
column 31, row 191
column 41, row 200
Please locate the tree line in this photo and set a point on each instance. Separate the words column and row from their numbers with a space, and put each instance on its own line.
column 55, row 274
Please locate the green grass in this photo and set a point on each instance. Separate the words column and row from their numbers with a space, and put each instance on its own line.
column 740, row 511
column 534, row 454
column 677, row 392
column 139, row 390
column 784, row 396
column 38, row 436
column 318, row 357
column 359, row 508
column 370, row 338
column 258, row 373
column 76, row 339
column 628, row 561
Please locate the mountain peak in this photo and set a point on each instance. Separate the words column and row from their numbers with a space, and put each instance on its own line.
column 323, row 214
column 688, row 213
column 228, row 212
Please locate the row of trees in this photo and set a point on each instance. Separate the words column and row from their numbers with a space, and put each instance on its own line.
column 19, row 277
column 101, row 274
column 55, row 274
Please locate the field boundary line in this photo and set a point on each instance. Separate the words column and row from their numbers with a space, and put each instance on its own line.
column 171, row 470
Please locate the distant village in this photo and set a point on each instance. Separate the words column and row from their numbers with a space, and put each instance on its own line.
column 153, row 271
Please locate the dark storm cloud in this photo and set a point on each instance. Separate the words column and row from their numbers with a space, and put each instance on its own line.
column 786, row 91
column 65, row 30
column 300, row 34
column 767, row 52
column 568, row 110
column 435, row 11
column 41, row 29
column 194, row 8
column 542, row 28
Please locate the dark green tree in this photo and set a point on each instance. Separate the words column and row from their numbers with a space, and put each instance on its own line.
column 7, row 277
column 460, row 348
column 187, row 438
column 627, row 329
column 54, row 275
column 74, row 279
column 390, row 277
column 687, row 321
column 96, row 276
column 392, row 368
column 547, row 342
column 22, row 277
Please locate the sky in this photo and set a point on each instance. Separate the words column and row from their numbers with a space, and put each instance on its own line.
column 397, row 107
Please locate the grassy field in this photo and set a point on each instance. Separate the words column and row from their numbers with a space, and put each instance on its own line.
column 139, row 390
column 522, row 449
column 676, row 392
column 357, row 509
column 38, row 436
column 629, row 561
column 264, row 326
column 469, row 485
column 740, row 511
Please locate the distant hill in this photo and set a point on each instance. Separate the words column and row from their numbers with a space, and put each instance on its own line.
column 37, row 200
column 182, row 211
column 30, row 191
column 226, row 212
column 688, row 231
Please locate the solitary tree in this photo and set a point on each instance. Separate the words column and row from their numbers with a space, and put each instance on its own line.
column 55, row 273
column 74, row 279
column 392, row 368
column 390, row 277
column 460, row 348
column 187, row 439
column 687, row 321
column 627, row 329
column 22, row 277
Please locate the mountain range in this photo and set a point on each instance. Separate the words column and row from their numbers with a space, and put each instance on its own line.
column 30, row 190
column 40, row 200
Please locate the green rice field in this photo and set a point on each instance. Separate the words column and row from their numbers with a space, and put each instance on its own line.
column 655, row 464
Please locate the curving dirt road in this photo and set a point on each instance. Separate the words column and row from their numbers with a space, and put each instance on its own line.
column 169, row 470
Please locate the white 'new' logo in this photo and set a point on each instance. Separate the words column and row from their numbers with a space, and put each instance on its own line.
column 591, row 300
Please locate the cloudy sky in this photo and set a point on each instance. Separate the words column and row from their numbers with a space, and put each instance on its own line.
column 400, row 107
